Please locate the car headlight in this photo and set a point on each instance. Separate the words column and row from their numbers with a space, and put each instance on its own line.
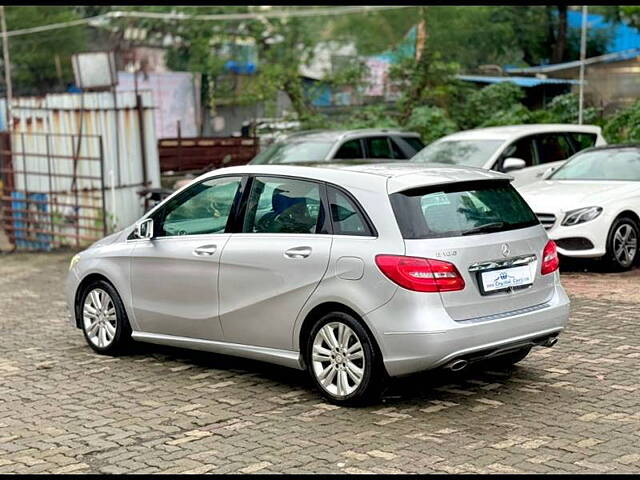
column 74, row 261
column 581, row 215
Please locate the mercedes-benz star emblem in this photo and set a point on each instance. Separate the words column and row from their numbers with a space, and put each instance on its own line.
column 505, row 250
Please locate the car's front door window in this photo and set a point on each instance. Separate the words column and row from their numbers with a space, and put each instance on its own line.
column 282, row 205
column 350, row 150
column 523, row 149
column 203, row 208
column 553, row 147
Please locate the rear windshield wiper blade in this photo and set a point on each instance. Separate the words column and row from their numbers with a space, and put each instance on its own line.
column 487, row 227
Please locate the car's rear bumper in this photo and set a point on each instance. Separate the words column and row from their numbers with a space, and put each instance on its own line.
column 406, row 352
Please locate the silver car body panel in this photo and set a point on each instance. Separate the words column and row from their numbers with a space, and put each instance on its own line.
column 249, row 299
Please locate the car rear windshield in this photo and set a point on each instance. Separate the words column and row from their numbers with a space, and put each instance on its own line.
column 460, row 209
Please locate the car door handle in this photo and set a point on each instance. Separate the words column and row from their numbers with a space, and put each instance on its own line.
column 205, row 250
column 298, row 252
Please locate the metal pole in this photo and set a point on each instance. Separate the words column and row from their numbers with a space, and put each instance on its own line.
column 102, row 190
column 7, row 67
column 583, row 54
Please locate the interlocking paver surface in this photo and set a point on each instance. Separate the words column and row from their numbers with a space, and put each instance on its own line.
column 64, row 409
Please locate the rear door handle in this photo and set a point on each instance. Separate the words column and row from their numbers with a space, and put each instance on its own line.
column 205, row 250
column 298, row 252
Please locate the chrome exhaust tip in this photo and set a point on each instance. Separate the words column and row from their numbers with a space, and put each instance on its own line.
column 457, row 365
column 551, row 342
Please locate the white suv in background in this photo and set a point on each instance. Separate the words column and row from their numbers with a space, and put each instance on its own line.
column 526, row 152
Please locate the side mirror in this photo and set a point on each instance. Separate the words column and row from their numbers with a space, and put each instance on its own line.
column 144, row 229
column 513, row 163
column 548, row 172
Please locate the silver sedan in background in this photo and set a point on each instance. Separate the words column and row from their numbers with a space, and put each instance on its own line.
column 354, row 273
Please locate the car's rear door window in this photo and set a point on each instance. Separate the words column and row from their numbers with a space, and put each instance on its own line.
column 378, row 147
column 460, row 209
column 415, row 143
column 284, row 205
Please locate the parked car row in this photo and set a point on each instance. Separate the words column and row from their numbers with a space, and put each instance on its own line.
column 530, row 154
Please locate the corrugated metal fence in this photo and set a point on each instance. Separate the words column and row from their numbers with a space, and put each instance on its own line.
column 116, row 128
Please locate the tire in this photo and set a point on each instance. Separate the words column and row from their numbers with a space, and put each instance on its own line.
column 512, row 358
column 365, row 361
column 112, row 334
column 622, row 244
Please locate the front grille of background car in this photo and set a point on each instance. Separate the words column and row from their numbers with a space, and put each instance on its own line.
column 546, row 219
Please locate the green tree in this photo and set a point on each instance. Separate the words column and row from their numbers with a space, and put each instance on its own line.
column 624, row 125
column 487, row 105
column 33, row 56
column 282, row 45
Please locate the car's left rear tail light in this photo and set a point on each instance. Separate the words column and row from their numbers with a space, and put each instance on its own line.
column 550, row 260
column 421, row 274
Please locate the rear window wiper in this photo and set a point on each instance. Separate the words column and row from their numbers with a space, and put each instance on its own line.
column 487, row 227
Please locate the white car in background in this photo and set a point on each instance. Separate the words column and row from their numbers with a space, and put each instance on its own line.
column 591, row 205
column 526, row 152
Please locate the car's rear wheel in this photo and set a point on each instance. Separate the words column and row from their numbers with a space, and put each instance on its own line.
column 103, row 318
column 343, row 361
column 622, row 243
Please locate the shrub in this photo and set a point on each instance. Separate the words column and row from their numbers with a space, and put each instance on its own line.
column 624, row 126
column 431, row 123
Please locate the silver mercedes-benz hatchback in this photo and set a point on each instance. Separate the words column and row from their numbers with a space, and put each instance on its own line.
column 355, row 274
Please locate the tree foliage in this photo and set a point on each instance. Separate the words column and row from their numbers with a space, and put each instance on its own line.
column 624, row 126
column 33, row 57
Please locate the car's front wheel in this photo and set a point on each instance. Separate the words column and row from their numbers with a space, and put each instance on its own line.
column 103, row 318
column 343, row 361
column 622, row 244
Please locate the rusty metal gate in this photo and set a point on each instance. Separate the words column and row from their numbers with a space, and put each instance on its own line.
column 52, row 189
column 197, row 153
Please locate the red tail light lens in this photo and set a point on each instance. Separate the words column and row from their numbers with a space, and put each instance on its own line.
column 420, row 274
column 550, row 260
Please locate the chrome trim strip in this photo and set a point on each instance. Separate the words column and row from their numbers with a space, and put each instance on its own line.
column 508, row 262
column 286, row 358
column 512, row 313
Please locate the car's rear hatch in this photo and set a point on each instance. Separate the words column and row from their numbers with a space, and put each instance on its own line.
column 491, row 236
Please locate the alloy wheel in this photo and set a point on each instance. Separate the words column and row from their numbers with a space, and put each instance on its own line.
column 338, row 360
column 99, row 318
column 625, row 244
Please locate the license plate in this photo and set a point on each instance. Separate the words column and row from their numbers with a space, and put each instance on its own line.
column 506, row 278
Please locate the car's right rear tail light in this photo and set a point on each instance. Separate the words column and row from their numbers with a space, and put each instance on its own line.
column 421, row 274
column 550, row 260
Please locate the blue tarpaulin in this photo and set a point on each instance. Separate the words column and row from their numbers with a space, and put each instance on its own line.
column 23, row 237
column 526, row 82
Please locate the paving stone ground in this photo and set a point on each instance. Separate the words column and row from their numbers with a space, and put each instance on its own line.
column 64, row 409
